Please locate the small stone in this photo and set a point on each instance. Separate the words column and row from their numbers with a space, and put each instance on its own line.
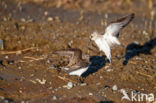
column 19, row 67
column 70, row 85
column 23, row 20
column 65, row 69
column 136, row 42
column 114, row 88
column 101, row 77
column 46, row 13
column 23, row 27
column 54, row 98
column 50, row 19
column 106, row 66
column 43, row 81
column 6, row 57
column 83, row 84
column 106, row 16
column 109, row 70
column 90, row 94
column 4, row 19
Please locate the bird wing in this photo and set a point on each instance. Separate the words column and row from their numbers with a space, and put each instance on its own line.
column 106, row 48
column 115, row 26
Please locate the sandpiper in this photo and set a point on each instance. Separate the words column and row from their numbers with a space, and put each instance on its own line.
column 77, row 65
column 110, row 37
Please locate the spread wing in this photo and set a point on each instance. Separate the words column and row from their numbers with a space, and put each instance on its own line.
column 115, row 26
column 107, row 50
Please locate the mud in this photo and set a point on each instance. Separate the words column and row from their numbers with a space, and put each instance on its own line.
column 33, row 30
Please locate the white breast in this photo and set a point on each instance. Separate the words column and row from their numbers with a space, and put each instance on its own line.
column 99, row 43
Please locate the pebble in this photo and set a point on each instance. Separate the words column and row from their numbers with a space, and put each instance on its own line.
column 4, row 19
column 66, row 69
column 46, row 13
column 54, row 98
column 109, row 70
column 83, row 84
column 19, row 67
column 70, row 85
column 90, row 94
column 6, row 57
column 23, row 20
column 43, row 81
column 114, row 88
column 106, row 16
column 50, row 19
column 136, row 42
column 101, row 77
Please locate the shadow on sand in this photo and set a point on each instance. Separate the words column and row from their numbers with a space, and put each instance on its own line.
column 97, row 62
column 134, row 49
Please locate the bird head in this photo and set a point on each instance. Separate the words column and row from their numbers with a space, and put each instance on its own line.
column 93, row 36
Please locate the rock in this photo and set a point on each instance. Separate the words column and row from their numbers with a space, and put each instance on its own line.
column 70, row 85
column 43, row 81
column 6, row 57
column 114, row 88
column 90, row 94
column 136, row 42
column 1, row 44
column 101, row 77
column 46, row 13
column 109, row 70
column 50, row 19
column 83, row 84
column 23, row 20
column 54, row 98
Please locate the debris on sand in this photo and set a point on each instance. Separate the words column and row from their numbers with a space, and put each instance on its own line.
column 90, row 94
column 69, row 85
column 54, row 98
column 43, row 81
column 83, row 84
column 50, row 19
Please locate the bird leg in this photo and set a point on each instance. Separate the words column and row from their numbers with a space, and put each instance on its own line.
column 81, row 79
